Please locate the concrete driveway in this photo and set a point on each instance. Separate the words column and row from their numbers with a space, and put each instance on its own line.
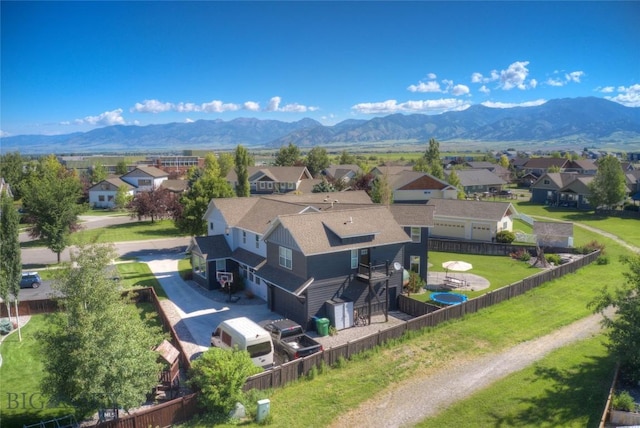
column 196, row 312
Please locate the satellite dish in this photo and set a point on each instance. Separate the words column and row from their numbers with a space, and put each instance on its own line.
column 397, row 266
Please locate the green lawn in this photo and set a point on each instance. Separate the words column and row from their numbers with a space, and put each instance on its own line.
column 20, row 374
column 133, row 275
column 568, row 388
column 137, row 231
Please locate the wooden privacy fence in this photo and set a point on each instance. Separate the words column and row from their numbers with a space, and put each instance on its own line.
column 487, row 248
column 162, row 415
column 31, row 307
column 426, row 316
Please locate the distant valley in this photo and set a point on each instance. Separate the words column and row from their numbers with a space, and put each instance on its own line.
column 561, row 123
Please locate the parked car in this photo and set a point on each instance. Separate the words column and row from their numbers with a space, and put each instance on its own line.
column 290, row 340
column 30, row 280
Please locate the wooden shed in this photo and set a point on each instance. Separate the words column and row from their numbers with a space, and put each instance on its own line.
column 169, row 378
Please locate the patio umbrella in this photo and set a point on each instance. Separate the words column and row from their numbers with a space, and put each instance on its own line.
column 457, row 265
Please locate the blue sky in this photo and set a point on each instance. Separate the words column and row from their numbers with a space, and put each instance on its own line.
column 75, row 66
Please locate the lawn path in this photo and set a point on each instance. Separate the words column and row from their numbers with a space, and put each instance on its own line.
column 409, row 402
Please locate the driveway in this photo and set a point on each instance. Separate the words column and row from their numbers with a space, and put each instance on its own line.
column 194, row 311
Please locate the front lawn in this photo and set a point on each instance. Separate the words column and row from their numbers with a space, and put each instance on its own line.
column 137, row 231
column 136, row 275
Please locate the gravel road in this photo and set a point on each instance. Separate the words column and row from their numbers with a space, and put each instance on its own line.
column 408, row 402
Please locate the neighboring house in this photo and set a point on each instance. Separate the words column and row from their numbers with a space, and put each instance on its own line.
column 145, row 178
column 419, row 187
column 389, row 170
column 498, row 170
column 582, row 166
column 299, row 251
column 103, row 194
column 344, row 173
column 478, row 180
column 527, row 180
column 175, row 186
column 553, row 234
column 4, row 187
column 274, row 179
column 470, row 220
column 562, row 189
column 539, row 166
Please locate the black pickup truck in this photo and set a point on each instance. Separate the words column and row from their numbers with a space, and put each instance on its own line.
column 290, row 340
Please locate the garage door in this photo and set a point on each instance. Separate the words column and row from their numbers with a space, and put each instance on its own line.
column 448, row 230
column 480, row 232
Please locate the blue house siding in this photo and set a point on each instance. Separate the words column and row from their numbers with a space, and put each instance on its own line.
column 417, row 249
column 539, row 196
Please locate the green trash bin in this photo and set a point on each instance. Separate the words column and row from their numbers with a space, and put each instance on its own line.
column 322, row 326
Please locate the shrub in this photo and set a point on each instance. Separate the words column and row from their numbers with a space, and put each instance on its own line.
column 5, row 326
column 415, row 284
column 602, row 260
column 553, row 258
column 521, row 254
column 623, row 401
column 505, row 237
column 219, row 375
column 592, row 246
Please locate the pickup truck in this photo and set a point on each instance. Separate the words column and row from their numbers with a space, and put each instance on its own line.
column 290, row 340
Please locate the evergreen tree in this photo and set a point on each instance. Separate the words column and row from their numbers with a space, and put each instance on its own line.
column 12, row 172
column 381, row 192
column 122, row 168
column 242, row 172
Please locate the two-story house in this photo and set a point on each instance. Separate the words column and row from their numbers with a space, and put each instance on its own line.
column 145, row 178
column 298, row 252
column 562, row 189
column 103, row 194
column 273, row 179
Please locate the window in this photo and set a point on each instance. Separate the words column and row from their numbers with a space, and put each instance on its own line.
column 221, row 265
column 101, row 198
column 269, row 185
column 414, row 264
column 257, row 241
column 262, row 185
column 285, row 258
column 244, row 236
column 251, row 271
column 354, row 259
column 211, row 226
column 415, row 234
column 199, row 265
column 110, row 198
column 546, row 181
column 144, row 182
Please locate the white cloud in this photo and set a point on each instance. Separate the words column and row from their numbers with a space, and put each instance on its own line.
column 274, row 105
column 430, row 86
column 189, row 120
column 216, row 106
column 484, row 89
column 606, row 89
column 151, row 106
column 113, row 117
column 558, row 80
column 493, row 104
column 479, row 78
column 574, row 76
column 555, row 82
column 251, row 106
column 515, row 76
column 4, row 134
column 392, row 106
column 533, row 83
column 628, row 96
column 458, row 90
column 431, row 76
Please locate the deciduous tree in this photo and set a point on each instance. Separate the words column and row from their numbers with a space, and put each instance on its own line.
column 122, row 168
column 209, row 184
column 317, row 160
column 98, row 351
column 225, row 160
column 454, row 180
column 624, row 326
column 157, row 204
column 10, row 262
column 98, row 173
column 51, row 195
column 12, row 172
column 288, row 156
column 608, row 186
column 381, row 192
column 242, row 172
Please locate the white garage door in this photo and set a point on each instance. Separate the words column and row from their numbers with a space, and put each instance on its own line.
column 448, row 229
column 480, row 232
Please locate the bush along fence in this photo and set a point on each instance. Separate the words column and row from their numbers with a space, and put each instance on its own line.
column 426, row 316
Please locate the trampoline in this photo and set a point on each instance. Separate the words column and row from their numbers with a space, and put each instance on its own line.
column 447, row 298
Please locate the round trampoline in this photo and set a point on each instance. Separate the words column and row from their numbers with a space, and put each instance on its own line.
column 447, row 298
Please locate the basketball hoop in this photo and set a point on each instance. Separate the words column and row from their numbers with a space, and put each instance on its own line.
column 225, row 279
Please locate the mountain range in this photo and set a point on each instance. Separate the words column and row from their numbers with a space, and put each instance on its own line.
column 570, row 121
